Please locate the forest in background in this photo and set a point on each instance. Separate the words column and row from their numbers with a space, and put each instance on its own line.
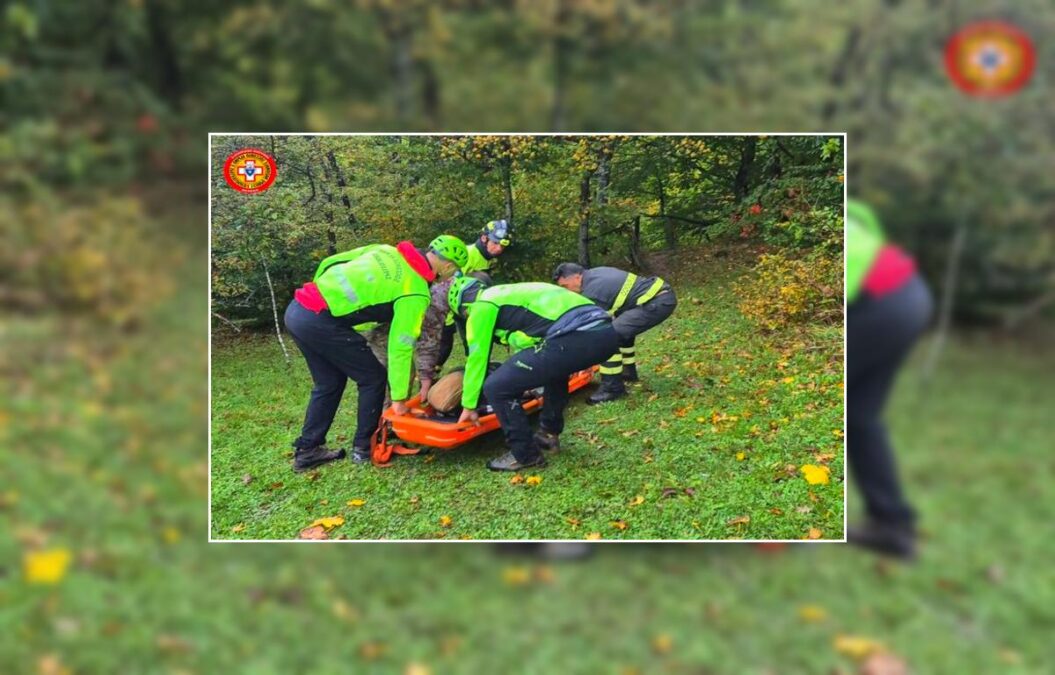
column 101, row 98
column 594, row 199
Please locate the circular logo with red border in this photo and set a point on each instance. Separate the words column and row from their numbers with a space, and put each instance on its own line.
column 250, row 170
column 990, row 58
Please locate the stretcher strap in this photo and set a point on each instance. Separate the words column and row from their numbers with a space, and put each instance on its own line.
column 381, row 450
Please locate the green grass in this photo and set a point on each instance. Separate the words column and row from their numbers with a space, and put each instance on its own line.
column 112, row 468
column 721, row 414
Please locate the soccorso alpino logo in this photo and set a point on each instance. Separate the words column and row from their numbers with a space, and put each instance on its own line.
column 250, row 170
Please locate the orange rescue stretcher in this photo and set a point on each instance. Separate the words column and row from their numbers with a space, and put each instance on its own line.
column 424, row 427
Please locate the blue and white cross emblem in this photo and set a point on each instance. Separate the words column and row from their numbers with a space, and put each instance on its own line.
column 250, row 171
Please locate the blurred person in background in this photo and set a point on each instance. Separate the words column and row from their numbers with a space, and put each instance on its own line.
column 375, row 283
column 494, row 238
column 888, row 308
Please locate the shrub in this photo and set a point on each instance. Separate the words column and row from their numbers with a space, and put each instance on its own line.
column 783, row 290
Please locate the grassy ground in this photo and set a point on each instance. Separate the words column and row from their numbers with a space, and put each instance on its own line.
column 709, row 446
column 103, row 460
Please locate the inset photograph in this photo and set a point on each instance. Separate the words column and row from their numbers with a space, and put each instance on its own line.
column 527, row 337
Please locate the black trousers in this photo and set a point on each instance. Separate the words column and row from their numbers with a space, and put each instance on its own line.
column 880, row 334
column 548, row 367
column 335, row 353
column 637, row 320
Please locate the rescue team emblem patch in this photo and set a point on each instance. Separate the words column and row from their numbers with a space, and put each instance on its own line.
column 250, row 170
column 990, row 58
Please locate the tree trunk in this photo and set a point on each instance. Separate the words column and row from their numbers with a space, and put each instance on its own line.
column 741, row 183
column 837, row 78
column 584, row 220
column 327, row 193
column 170, row 77
column 430, row 95
column 952, row 270
column 507, row 186
column 274, row 311
column 401, row 64
column 668, row 223
column 604, row 172
column 331, row 157
column 635, row 243
column 561, row 48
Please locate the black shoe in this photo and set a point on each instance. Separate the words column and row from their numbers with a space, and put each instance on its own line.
column 547, row 441
column 898, row 541
column 360, row 455
column 630, row 373
column 604, row 395
column 508, row 462
column 309, row 458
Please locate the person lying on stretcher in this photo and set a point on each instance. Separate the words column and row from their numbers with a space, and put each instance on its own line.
column 445, row 396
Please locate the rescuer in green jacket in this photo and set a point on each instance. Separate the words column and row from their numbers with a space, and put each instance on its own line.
column 363, row 287
column 638, row 304
column 557, row 333
column 495, row 237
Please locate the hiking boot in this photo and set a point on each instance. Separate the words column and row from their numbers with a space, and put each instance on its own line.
column 360, row 455
column 630, row 373
column 547, row 441
column 606, row 394
column 508, row 462
column 895, row 540
column 309, row 458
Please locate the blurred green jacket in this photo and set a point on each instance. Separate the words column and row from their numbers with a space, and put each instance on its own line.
column 864, row 240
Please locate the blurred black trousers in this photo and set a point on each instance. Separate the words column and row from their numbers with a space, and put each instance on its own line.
column 880, row 334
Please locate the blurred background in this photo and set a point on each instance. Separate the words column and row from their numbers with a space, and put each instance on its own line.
column 104, row 109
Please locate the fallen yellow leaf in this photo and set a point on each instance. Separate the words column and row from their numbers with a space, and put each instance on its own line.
column 356, row 502
column 593, row 536
column 238, row 528
column 662, row 643
column 619, row 524
column 446, row 521
column 856, row 647
column 533, row 480
column 740, row 456
column 816, row 475
column 342, row 610
column 516, row 576
column 814, row 533
column 517, row 479
column 544, row 574
column 637, row 500
column 739, row 520
column 812, row 613
column 416, row 669
column 171, row 535
column 46, row 567
column 328, row 522
column 371, row 651
column 50, row 664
